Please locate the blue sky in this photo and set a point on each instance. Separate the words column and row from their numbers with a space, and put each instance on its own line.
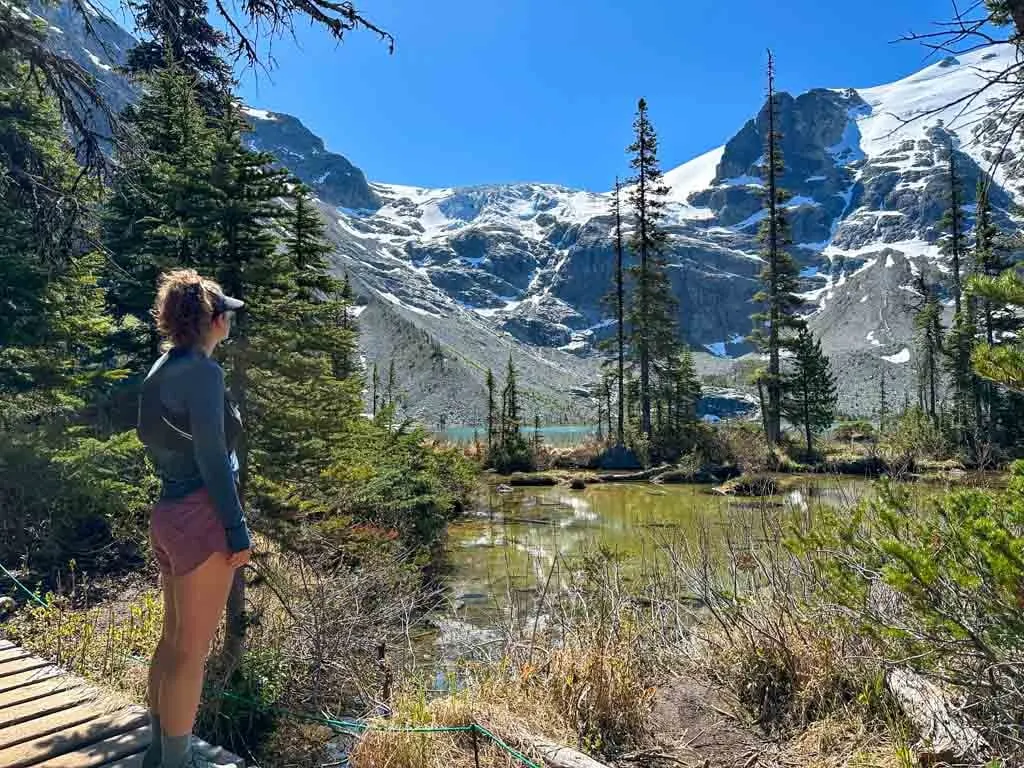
column 482, row 91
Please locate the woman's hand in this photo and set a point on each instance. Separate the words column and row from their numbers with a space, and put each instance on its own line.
column 238, row 559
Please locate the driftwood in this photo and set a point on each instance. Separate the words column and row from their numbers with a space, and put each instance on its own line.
column 945, row 737
column 527, row 481
column 555, row 755
column 633, row 477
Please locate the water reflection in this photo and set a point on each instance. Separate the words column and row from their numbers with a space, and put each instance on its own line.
column 514, row 545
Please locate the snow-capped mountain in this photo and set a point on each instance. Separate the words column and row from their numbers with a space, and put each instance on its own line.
column 454, row 278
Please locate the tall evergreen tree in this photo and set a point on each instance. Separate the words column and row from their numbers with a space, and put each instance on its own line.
column 653, row 334
column 954, row 246
column 928, row 325
column 618, row 300
column 686, row 392
column 308, row 394
column 997, row 321
column 510, row 423
column 155, row 216
column 376, row 389
column 490, row 410
column 778, row 319
column 181, row 33
column 52, row 322
column 883, row 402
column 810, row 391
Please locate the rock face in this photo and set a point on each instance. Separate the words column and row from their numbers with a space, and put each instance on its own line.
column 477, row 272
column 332, row 177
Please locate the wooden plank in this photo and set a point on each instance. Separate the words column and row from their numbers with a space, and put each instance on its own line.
column 19, row 679
column 37, row 690
column 46, row 705
column 93, row 738
column 135, row 761
column 103, row 752
column 45, row 725
column 22, row 659
column 218, row 754
column 6, row 644
column 12, row 653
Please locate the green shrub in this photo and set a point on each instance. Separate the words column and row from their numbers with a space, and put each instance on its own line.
column 854, row 431
column 398, row 480
column 913, row 436
column 936, row 583
column 85, row 500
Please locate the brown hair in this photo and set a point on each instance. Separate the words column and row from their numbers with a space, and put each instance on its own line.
column 184, row 307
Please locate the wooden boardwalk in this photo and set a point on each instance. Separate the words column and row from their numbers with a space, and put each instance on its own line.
column 51, row 718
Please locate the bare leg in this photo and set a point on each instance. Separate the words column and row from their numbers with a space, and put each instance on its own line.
column 199, row 600
column 157, row 670
column 163, row 651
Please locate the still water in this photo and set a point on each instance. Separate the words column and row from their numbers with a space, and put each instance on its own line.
column 503, row 554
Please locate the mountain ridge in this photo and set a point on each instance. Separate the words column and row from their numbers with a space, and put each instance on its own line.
column 476, row 273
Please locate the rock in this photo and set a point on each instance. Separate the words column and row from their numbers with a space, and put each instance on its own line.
column 577, row 484
column 504, row 488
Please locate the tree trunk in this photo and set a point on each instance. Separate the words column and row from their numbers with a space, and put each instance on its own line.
column 620, row 290
column 774, row 417
column 945, row 737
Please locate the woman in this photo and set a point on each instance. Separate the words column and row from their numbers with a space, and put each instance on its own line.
column 197, row 529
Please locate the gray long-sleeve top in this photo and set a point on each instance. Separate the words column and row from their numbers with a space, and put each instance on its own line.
column 183, row 411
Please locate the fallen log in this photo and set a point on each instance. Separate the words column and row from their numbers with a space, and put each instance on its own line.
column 633, row 477
column 945, row 737
column 556, row 756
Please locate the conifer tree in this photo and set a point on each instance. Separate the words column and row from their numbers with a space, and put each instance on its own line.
column 653, row 335
column 1002, row 361
column 376, row 389
column 778, row 320
column 53, row 327
column 928, row 325
column 510, row 425
column 490, row 410
column 883, row 402
column 810, row 388
column 687, row 392
column 620, row 318
column 308, row 393
column 181, row 33
column 155, row 216
column 954, row 246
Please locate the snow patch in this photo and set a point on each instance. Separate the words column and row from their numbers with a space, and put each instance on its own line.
column 693, row 176
column 889, row 261
column 390, row 297
column 903, row 356
column 96, row 60
column 872, row 340
column 863, row 299
column 716, row 348
column 259, row 114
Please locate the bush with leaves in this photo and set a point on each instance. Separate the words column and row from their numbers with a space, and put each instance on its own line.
column 936, row 584
column 81, row 499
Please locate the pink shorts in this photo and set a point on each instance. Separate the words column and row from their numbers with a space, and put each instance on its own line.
column 185, row 532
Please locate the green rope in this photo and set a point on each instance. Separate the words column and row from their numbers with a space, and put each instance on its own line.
column 25, row 589
column 331, row 722
column 517, row 755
